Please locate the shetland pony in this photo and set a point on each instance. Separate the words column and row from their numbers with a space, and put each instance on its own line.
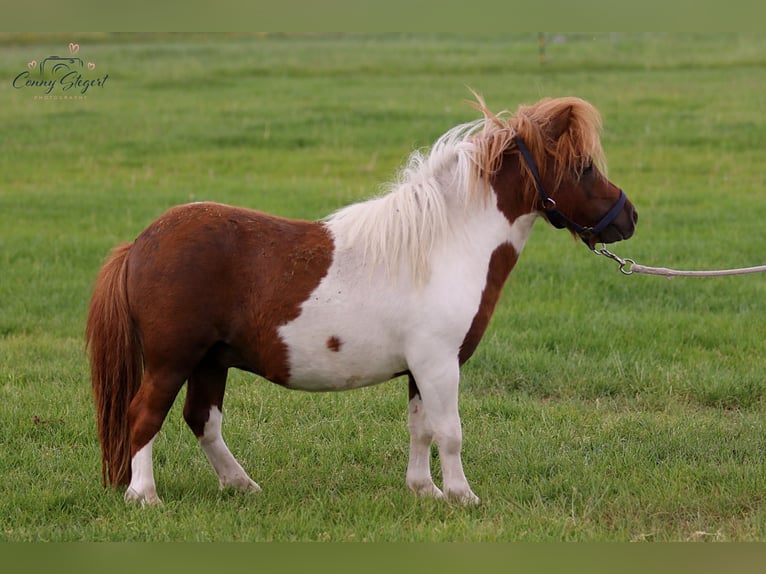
column 401, row 284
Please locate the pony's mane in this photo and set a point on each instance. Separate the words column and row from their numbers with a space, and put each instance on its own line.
column 403, row 225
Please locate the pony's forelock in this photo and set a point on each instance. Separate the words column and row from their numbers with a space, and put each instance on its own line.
column 574, row 149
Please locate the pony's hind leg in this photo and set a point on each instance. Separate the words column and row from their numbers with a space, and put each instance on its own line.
column 146, row 414
column 419, row 478
column 203, row 414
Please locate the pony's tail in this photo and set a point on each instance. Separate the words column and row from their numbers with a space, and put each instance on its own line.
column 116, row 364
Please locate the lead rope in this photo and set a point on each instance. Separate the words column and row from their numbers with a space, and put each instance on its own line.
column 629, row 267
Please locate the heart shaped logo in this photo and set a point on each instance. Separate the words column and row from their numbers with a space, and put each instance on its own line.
column 73, row 48
column 91, row 65
column 31, row 65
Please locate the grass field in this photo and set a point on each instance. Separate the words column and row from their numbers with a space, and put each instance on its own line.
column 598, row 406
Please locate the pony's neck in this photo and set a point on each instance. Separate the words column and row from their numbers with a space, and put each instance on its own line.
column 435, row 205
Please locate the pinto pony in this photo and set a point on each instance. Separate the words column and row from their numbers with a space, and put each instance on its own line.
column 401, row 284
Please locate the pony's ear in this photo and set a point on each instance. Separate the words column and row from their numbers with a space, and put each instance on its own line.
column 558, row 123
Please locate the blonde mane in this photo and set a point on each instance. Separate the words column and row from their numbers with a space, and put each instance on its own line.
column 402, row 226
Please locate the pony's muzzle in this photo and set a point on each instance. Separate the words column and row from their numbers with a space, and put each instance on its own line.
column 623, row 226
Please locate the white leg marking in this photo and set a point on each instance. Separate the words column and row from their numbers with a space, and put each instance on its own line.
column 142, row 488
column 438, row 386
column 419, row 478
column 229, row 471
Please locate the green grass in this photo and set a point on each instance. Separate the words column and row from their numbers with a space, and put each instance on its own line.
column 598, row 406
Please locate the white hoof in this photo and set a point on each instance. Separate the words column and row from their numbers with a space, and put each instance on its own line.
column 144, row 499
column 428, row 489
column 466, row 498
column 241, row 483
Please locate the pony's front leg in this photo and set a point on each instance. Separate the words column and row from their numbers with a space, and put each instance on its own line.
column 438, row 389
column 419, row 478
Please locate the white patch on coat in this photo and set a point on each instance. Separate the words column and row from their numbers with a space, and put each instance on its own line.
column 378, row 319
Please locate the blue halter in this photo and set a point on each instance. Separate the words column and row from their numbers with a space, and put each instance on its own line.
column 558, row 219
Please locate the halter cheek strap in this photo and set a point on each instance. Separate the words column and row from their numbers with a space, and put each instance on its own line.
column 552, row 213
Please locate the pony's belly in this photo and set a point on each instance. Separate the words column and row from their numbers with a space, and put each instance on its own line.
column 346, row 336
column 336, row 366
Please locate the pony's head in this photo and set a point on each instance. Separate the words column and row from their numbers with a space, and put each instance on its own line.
column 554, row 146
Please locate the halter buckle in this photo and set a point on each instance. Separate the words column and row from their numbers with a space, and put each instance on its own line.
column 549, row 204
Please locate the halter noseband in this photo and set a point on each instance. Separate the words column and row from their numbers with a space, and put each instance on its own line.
column 558, row 219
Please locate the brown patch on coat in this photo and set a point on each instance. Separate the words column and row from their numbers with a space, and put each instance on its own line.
column 207, row 277
column 334, row 344
column 500, row 265
column 204, row 288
